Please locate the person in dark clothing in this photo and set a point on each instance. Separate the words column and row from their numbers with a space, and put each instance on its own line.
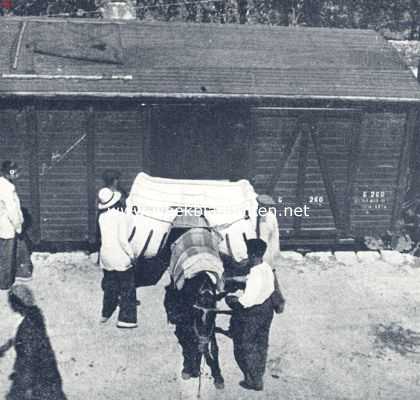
column 24, row 269
column 36, row 375
column 252, row 316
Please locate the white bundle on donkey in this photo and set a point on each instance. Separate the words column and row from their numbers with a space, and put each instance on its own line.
column 229, row 208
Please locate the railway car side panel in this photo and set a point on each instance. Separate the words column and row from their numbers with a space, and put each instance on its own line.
column 378, row 170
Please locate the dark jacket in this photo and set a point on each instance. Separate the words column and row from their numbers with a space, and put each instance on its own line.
column 35, row 366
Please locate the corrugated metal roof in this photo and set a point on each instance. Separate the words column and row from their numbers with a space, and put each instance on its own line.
column 134, row 58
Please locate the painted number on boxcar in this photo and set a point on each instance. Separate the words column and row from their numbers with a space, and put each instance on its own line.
column 374, row 200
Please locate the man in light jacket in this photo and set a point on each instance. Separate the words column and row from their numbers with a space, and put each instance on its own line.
column 252, row 317
column 11, row 220
column 117, row 260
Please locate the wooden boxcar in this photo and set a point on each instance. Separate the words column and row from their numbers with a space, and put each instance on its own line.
column 319, row 117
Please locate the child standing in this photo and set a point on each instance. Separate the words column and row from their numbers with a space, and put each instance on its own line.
column 116, row 260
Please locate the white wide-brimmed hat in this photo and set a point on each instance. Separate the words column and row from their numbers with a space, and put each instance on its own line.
column 107, row 198
column 266, row 200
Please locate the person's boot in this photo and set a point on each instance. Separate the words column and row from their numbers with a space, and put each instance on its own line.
column 185, row 375
column 126, row 325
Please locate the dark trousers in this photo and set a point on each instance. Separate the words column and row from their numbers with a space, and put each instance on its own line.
column 24, row 266
column 119, row 289
column 190, row 352
column 41, row 392
column 250, row 333
column 7, row 263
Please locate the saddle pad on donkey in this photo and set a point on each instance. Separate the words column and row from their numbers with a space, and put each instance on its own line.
column 195, row 251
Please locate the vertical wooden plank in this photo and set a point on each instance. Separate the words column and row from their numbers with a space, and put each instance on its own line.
column 147, row 139
column 353, row 165
column 253, row 134
column 403, row 165
column 302, row 164
column 288, row 154
column 327, row 179
column 91, row 194
column 31, row 120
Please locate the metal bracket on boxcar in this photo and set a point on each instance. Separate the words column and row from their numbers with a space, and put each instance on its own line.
column 56, row 157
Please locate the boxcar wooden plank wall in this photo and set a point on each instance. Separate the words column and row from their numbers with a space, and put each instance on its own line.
column 63, row 175
column 119, row 143
column 273, row 134
column 344, row 164
column 73, row 146
column 119, row 137
column 381, row 144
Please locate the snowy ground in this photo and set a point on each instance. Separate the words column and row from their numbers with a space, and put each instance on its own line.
column 348, row 332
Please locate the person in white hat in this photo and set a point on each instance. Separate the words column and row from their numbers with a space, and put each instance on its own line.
column 116, row 260
column 267, row 227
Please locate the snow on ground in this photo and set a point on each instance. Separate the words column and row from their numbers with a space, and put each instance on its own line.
column 348, row 332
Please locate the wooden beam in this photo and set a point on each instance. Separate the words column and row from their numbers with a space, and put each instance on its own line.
column 147, row 160
column 332, row 200
column 302, row 164
column 32, row 134
column 199, row 95
column 289, row 151
column 251, row 155
column 19, row 44
column 91, row 184
column 353, row 165
column 403, row 165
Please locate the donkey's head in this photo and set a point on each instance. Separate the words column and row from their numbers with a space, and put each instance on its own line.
column 204, row 318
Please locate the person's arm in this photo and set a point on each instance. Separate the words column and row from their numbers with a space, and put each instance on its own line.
column 14, row 214
column 123, row 237
column 252, row 289
column 276, row 234
column 273, row 247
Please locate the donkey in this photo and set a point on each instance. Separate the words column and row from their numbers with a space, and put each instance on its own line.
column 193, row 312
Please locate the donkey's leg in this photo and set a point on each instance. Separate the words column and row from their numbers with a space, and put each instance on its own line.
column 212, row 359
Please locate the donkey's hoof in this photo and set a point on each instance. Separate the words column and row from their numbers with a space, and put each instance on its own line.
column 219, row 384
column 185, row 375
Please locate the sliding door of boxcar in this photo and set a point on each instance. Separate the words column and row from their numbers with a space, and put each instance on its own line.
column 382, row 171
column 305, row 157
column 75, row 147
column 62, row 175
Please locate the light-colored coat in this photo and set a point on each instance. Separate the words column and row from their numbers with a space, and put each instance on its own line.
column 116, row 253
column 11, row 218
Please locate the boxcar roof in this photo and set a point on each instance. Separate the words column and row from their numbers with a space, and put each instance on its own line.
column 51, row 57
